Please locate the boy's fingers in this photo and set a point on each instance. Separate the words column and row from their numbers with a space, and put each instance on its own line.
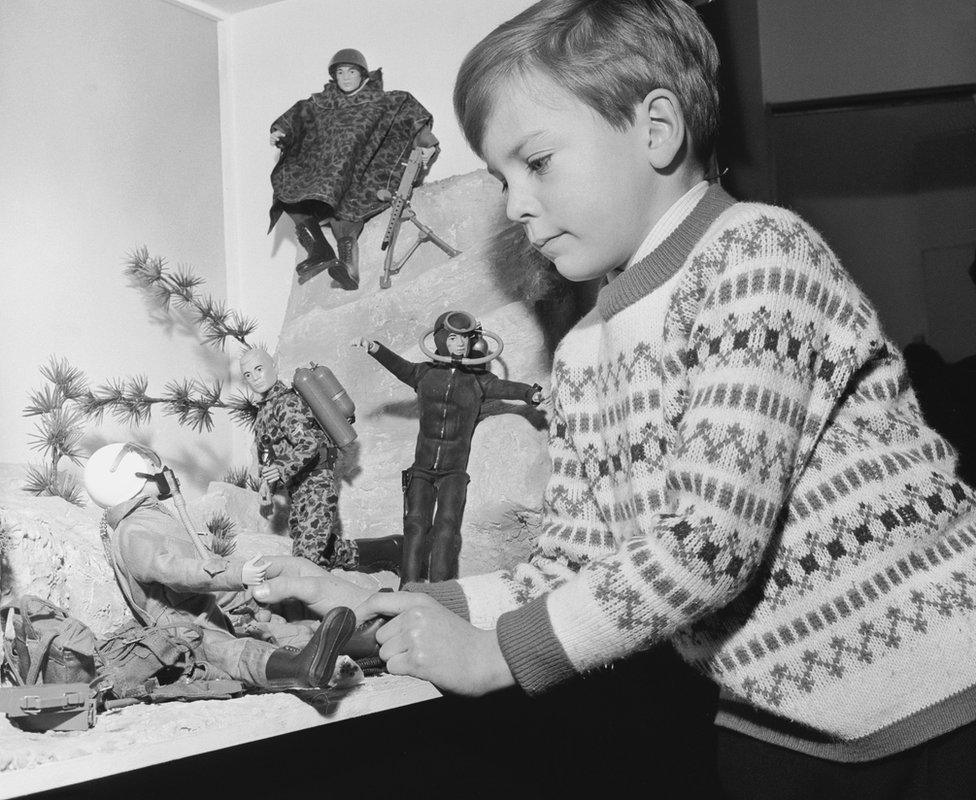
column 274, row 590
column 390, row 604
column 390, row 629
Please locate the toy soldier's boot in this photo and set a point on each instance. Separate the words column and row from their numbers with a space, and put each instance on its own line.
column 362, row 644
column 346, row 271
column 319, row 250
column 312, row 666
column 380, row 553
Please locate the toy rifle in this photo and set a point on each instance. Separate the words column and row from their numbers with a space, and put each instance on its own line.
column 399, row 211
column 266, row 457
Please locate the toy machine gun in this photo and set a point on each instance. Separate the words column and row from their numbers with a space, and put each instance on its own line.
column 400, row 210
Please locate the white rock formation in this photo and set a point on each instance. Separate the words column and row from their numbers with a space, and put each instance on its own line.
column 54, row 549
column 505, row 285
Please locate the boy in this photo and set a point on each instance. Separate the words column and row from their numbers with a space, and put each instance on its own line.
column 739, row 463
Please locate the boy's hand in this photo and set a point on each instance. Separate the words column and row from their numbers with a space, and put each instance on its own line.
column 321, row 592
column 253, row 572
column 276, row 137
column 427, row 641
column 367, row 344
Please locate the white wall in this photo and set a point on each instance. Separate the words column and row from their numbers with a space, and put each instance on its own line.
column 274, row 56
column 109, row 118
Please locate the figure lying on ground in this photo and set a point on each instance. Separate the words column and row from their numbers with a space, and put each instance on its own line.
column 169, row 577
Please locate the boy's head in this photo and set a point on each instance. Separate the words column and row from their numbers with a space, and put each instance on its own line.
column 607, row 53
column 594, row 114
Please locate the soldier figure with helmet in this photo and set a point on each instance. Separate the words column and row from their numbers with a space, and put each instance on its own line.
column 339, row 148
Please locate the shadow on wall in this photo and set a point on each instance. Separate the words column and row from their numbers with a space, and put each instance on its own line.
column 947, row 395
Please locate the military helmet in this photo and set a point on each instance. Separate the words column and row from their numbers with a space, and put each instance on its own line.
column 348, row 56
column 117, row 472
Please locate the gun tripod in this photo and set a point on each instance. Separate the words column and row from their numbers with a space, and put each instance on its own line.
column 425, row 235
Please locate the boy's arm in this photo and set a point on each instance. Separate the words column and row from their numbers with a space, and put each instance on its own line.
column 765, row 371
column 148, row 558
column 303, row 437
column 400, row 368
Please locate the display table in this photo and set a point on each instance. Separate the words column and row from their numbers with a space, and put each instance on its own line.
column 136, row 737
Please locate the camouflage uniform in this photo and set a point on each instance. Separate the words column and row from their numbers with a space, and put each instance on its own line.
column 306, row 456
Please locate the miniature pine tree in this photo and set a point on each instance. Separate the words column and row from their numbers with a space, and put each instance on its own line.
column 66, row 403
column 223, row 539
column 58, row 432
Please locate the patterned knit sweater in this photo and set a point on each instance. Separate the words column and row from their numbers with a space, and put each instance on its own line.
column 740, row 466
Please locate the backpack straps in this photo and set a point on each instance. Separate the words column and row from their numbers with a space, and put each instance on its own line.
column 106, row 538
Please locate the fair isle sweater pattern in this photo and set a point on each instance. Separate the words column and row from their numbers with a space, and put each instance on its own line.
column 760, row 488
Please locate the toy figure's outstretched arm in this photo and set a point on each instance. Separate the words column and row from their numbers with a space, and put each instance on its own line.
column 403, row 370
column 303, row 438
column 496, row 388
column 283, row 128
column 150, row 560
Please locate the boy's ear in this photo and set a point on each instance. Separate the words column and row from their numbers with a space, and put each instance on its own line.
column 660, row 113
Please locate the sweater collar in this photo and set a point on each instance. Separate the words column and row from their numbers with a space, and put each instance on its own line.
column 639, row 280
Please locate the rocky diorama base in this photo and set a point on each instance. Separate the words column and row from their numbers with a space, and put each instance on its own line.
column 53, row 549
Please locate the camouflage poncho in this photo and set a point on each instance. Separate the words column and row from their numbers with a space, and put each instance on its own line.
column 341, row 149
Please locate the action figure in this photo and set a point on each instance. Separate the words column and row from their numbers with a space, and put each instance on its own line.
column 450, row 391
column 338, row 149
column 304, row 464
column 170, row 577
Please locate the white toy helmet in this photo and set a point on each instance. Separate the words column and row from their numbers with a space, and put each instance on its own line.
column 111, row 474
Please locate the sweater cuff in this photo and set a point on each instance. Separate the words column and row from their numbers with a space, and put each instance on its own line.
column 448, row 593
column 530, row 647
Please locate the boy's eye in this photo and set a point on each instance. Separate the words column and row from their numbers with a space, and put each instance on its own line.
column 539, row 164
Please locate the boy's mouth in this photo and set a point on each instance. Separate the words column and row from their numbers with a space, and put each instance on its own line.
column 540, row 243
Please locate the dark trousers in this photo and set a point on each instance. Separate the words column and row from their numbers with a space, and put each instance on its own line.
column 433, row 505
column 941, row 769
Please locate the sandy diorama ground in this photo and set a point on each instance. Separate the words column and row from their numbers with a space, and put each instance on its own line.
column 52, row 551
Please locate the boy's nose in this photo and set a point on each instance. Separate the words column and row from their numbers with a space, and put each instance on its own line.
column 520, row 206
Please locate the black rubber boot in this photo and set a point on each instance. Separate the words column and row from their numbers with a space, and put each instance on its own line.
column 312, row 666
column 380, row 553
column 319, row 250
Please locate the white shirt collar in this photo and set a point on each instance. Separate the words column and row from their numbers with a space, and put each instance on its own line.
column 670, row 220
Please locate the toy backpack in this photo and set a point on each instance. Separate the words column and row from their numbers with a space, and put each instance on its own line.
column 52, row 647
column 49, row 646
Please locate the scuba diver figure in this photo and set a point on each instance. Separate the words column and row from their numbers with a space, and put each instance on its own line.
column 171, row 578
column 304, row 464
column 339, row 148
column 451, row 389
